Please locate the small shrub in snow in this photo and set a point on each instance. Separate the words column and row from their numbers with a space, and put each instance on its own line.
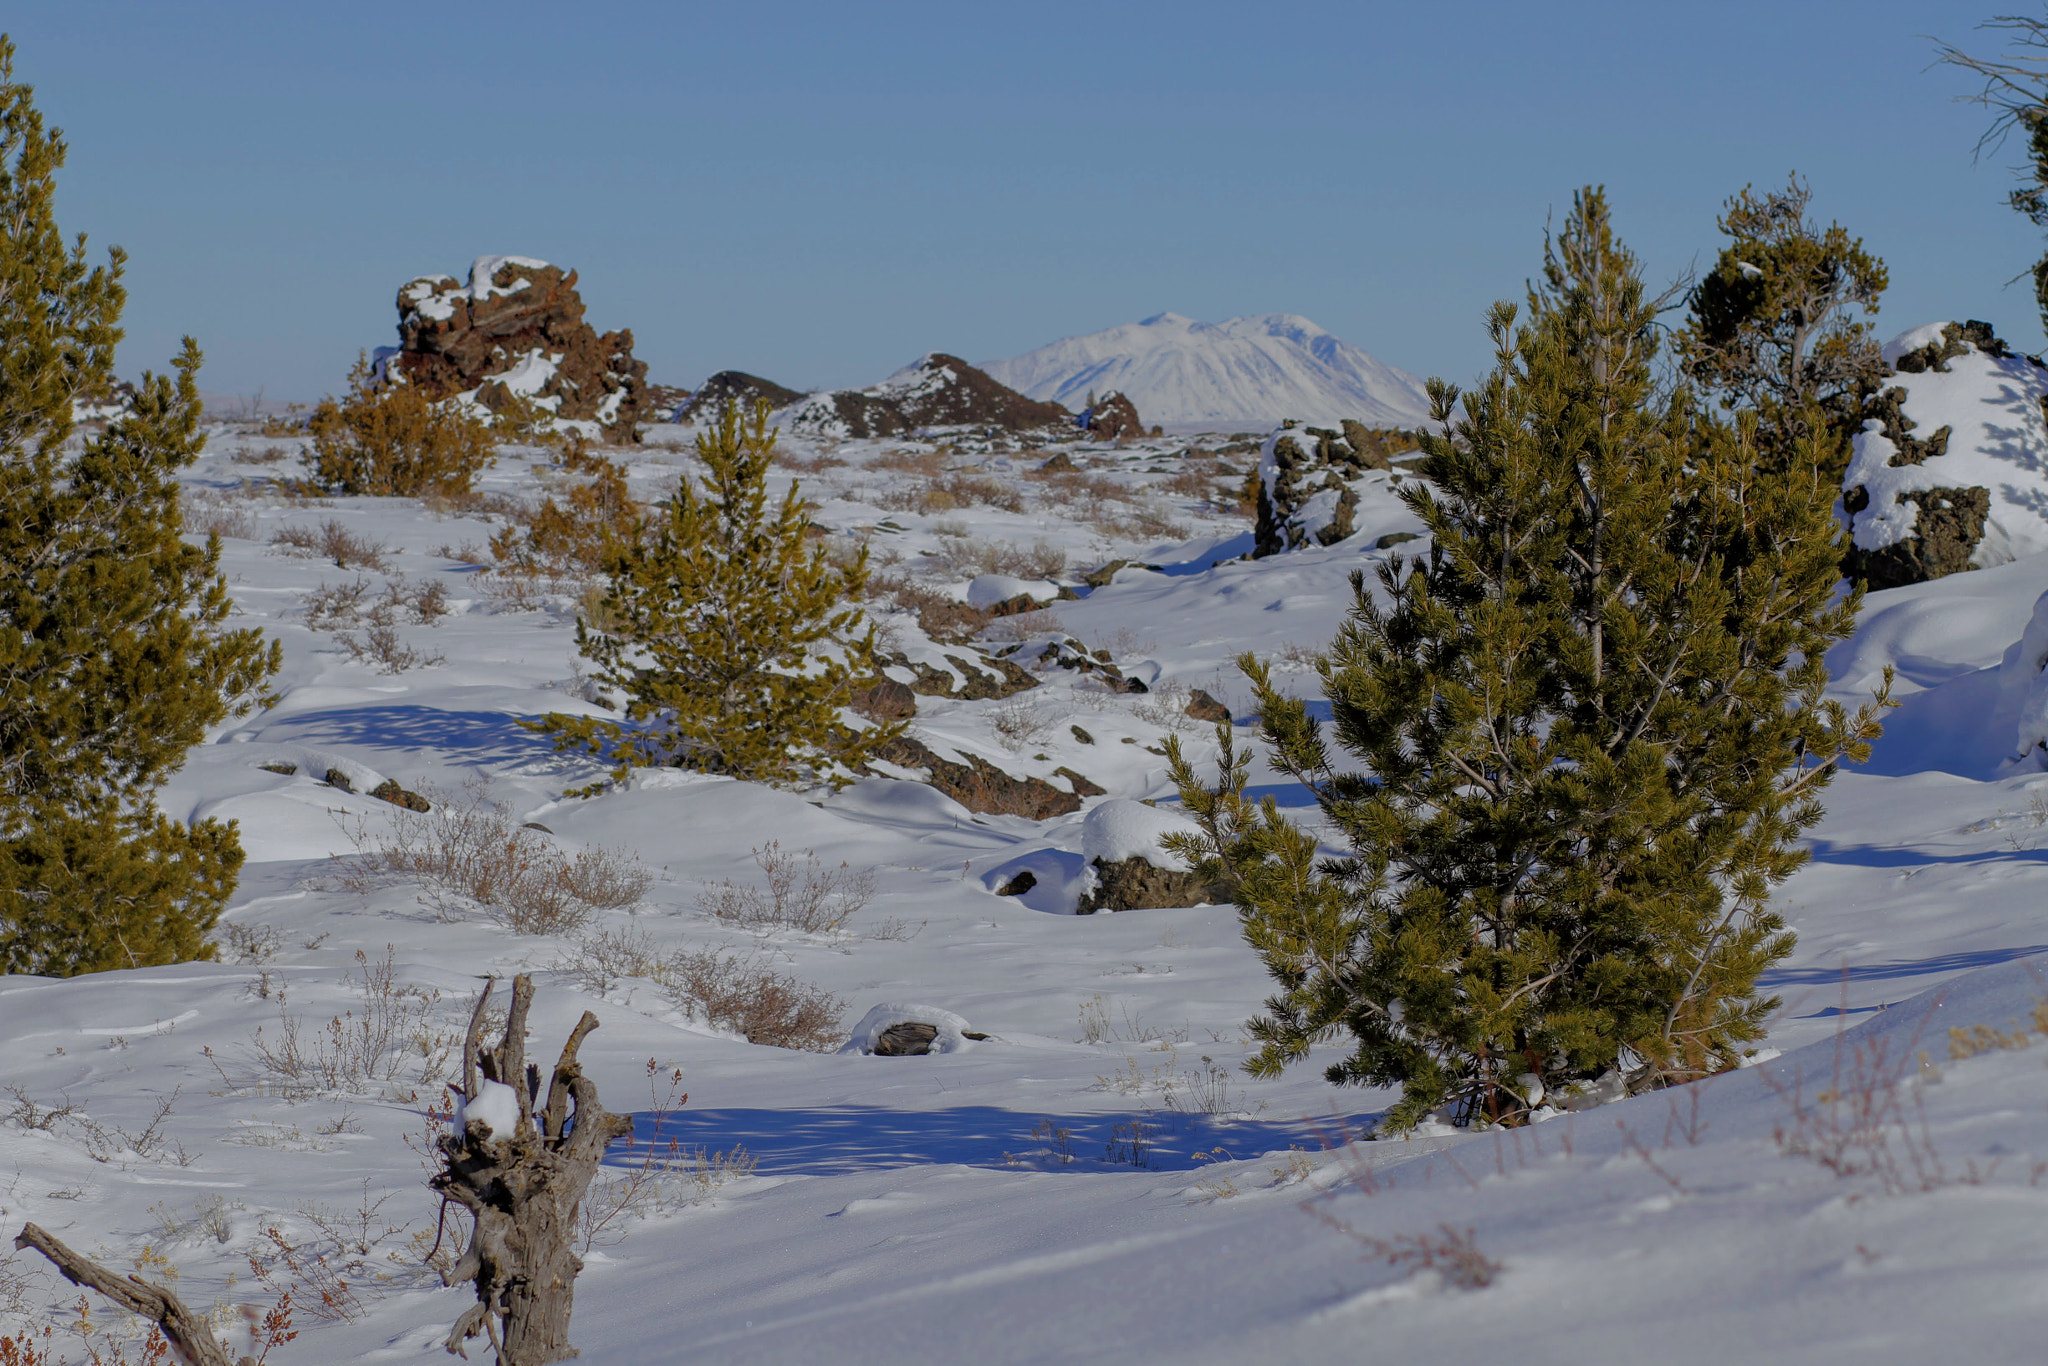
column 754, row 1001
column 474, row 850
column 579, row 535
column 1019, row 723
column 331, row 540
column 803, row 895
column 388, row 439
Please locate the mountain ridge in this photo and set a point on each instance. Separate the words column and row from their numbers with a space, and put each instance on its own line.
column 1249, row 371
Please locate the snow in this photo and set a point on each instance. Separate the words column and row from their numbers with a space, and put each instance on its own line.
column 1998, row 440
column 1119, row 829
column 1240, row 374
column 975, row 1202
column 496, row 1107
column 430, row 300
column 986, row 590
column 882, row 1018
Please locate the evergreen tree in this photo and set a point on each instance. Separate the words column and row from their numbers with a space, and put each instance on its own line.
column 735, row 641
column 112, row 660
column 1777, row 328
column 1592, row 724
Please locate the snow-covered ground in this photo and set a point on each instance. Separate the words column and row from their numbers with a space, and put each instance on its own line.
column 1094, row 1180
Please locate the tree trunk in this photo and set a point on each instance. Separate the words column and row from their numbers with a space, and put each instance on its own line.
column 188, row 1332
column 524, row 1189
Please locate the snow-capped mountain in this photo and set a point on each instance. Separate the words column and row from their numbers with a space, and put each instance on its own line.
column 1241, row 373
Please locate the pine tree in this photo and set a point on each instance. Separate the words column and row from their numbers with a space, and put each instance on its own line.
column 1777, row 327
column 735, row 641
column 112, row 660
column 1592, row 724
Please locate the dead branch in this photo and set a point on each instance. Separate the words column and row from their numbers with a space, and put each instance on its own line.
column 187, row 1331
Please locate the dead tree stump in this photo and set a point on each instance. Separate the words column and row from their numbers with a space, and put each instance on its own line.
column 188, row 1332
column 523, row 1188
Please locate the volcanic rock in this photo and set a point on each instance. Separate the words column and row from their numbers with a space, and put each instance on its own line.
column 1112, row 417
column 938, row 391
column 980, row 786
column 1305, row 474
column 517, row 330
column 727, row 387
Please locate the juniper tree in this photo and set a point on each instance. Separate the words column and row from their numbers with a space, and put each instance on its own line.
column 113, row 662
column 1778, row 326
column 1592, row 724
column 734, row 638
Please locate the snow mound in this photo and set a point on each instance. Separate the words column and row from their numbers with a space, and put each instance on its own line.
column 496, row 1106
column 989, row 589
column 2023, row 684
column 1997, row 441
column 1241, row 374
column 952, row 1029
column 1120, row 829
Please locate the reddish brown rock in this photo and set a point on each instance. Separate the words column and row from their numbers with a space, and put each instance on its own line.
column 938, row 391
column 1113, row 417
column 518, row 325
column 980, row 786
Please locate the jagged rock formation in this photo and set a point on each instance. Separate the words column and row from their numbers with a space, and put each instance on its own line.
column 728, row 387
column 1946, row 473
column 662, row 402
column 1305, row 475
column 938, row 391
column 980, row 786
column 1134, row 884
column 1112, row 417
column 517, row 330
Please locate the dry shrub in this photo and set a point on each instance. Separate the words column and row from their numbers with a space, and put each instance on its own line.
column 942, row 618
column 579, row 535
column 381, row 646
column 1072, row 486
column 966, row 556
column 1019, row 723
column 394, row 1037
column 206, row 516
column 1144, row 522
column 931, row 464
column 473, row 851
column 803, row 894
column 388, row 439
column 331, row 540
column 262, row 455
column 806, row 464
column 1867, row 1120
column 752, row 999
column 1025, row 626
column 1452, row 1253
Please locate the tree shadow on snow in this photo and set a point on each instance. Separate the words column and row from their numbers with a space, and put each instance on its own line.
column 1906, row 967
column 836, row 1140
column 482, row 737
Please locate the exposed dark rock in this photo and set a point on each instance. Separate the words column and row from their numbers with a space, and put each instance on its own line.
column 907, row 1040
column 1069, row 653
column 987, row 678
column 1023, row 882
column 1394, row 538
column 1134, row 884
column 979, row 785
column 455, row 338
column 390, row 791
column 1956, row 339
column 1082, row 736
column 334, row 777
column 1307, row 461
column 536, row 825
column 886, row 700
column 1079, row 783
column 1112, row 417
column 1946, row 531
column 660, row 402
column 1061, row 463
column 727, row 387
column 1103, row 577
column 287, row 769
column 938, row 391
column 1203, row 707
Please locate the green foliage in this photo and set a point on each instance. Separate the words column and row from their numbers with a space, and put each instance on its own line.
column 1775, row 327
column 388, row 439
column 112, row 660
column 733, row 640
column 1591, row 722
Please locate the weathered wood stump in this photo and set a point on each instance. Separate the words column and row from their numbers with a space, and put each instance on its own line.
column 523, row 1188
column 188, row 1332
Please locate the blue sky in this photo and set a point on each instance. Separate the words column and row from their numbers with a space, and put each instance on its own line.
column 822, row 192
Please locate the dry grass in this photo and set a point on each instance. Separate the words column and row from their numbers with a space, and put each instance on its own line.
column 930, row 464
column 472, row 851
column 331, row 540
column 942, row 618
column 1025, row 626
column 752, row 999
column 802, row 894
column 212, row 516
column 967, row 556
column 392, row 1042
column 1020, row 724
column 1145, row 521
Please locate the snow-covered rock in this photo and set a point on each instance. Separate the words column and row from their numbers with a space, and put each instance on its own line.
column 1953, row 471
column 1240, row 374
column 1309, row 483
column 988, row 590
column 937, row 390
column 867, row 1035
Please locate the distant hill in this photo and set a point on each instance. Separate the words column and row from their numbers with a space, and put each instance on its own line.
column 1242, row 373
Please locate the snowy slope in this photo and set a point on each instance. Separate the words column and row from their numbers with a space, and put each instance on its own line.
column 1240, row 374
column 986, row 1203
